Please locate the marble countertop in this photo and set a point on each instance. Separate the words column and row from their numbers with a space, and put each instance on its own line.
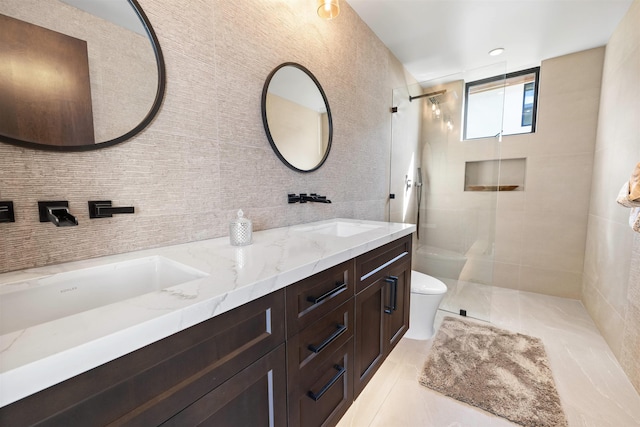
column 40, row 356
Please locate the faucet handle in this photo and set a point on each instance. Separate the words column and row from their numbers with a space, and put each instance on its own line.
column 104, row 209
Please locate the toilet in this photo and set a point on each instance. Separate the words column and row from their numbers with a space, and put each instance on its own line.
column 426, row 294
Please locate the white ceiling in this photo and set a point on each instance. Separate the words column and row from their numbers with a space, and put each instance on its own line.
column 436, row 38
column 119, row 12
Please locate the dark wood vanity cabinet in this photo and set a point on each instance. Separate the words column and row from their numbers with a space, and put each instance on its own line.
column 355, row 333
column 236, row 360
column 297, row 357
column 382, row 306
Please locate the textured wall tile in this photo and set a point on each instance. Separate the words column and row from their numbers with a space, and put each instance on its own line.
column 612, row 260
column 631, row 346
column 634, row 274
column 206, row 154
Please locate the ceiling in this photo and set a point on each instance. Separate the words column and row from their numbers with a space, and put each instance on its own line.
column 119, row 12
column 437, row 38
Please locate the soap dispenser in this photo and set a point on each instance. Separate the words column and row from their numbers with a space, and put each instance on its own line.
column 240, row 230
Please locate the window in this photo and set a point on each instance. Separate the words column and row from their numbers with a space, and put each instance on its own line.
column 502, row 104
column 527, row 105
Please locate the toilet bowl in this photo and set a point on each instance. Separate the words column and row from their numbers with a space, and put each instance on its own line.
column 426, row 294
column 439, row 262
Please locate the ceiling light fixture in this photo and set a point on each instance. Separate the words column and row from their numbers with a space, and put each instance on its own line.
column 497, row 51
column 328, row 9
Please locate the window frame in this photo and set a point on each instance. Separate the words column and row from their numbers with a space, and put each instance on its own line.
column 505, row 77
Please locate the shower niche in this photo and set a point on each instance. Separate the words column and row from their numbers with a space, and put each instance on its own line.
column 495, row 175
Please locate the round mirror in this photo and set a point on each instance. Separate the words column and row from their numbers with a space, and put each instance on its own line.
column 77, row 74
column 296, row 117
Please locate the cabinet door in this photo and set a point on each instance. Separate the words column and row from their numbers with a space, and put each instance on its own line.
column 382, row 318
column 148, row 386
column 255, row 397
column 370, row 342
column 396, row 317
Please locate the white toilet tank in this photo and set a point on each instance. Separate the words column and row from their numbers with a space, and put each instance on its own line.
column 426, row 294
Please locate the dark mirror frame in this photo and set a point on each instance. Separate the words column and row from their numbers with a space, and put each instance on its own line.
column 265, row 122
column 143, row 124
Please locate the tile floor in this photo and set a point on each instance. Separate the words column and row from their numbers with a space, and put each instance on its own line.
column 593, row 388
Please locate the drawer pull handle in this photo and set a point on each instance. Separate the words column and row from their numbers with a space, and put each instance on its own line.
column 339, row 287
column 393, row 280
column 318, row 348
column 341, row 370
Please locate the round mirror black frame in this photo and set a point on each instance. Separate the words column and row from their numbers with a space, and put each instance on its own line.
column 143, row 124
column 266, row 123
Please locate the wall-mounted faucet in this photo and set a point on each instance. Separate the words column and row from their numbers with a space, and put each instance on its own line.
column 6, row 212
column 313, row 197
column 103, row 209
column 304, row 198
column 292, row 198
column 56, row 212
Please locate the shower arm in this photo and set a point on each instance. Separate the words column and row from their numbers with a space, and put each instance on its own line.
column 438, row 93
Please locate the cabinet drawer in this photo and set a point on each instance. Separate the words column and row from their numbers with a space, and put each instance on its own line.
column 253, row 397
column 150, row 385
column 311, row 298
column 321, row 338
column 371, row 266
column 325, row 391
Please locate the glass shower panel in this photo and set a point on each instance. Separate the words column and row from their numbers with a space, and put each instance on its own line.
column 406, row 150
column 442, row 183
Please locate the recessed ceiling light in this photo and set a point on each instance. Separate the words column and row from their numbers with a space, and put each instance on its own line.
column 496, row 51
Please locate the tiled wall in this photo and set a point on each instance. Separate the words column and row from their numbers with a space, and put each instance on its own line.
column 611, row 286
column 541, row 232
column 206, row 153
column 531, row 240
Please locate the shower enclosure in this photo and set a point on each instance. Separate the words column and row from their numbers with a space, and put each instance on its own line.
column 443, row 184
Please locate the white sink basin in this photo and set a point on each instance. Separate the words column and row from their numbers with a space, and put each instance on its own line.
column 32, row 302
column 338, row 228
